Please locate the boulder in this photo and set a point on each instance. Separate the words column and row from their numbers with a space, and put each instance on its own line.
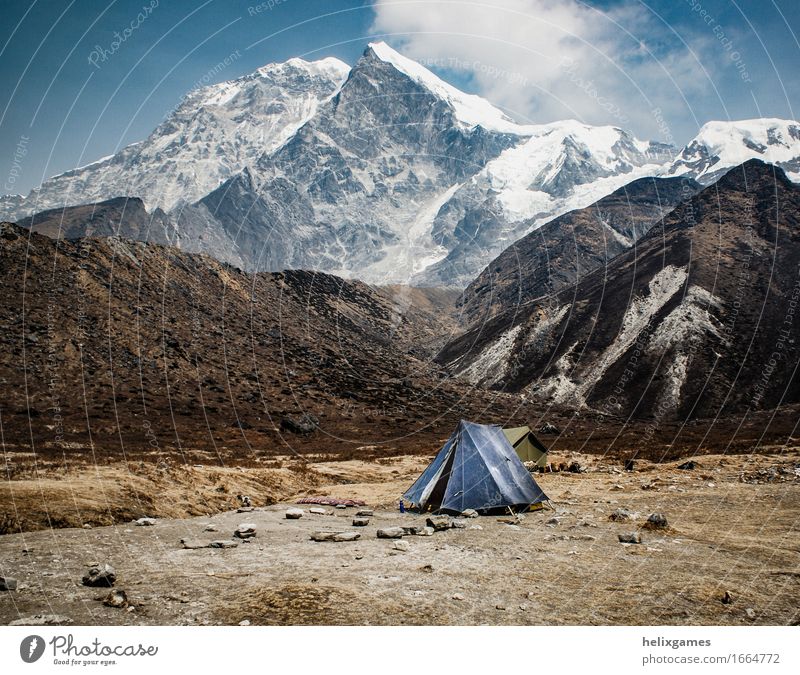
column 469, row 513
column 294, row 514
column 548, row 428
column 306, row 424
column 360, row 522
column 391, row 533
column 439, row 523
column 8, row 584
column 223, row 543
column 97, row 575
column 145, row 522
column 656, row 521
column 117, row 598
column 620, row 515
column 335, row 536
column 245, row 531
column 630, row 538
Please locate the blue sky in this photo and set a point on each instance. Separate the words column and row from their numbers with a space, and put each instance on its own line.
column 660, row 68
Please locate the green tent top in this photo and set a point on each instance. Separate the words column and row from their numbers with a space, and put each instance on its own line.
column 528, row 447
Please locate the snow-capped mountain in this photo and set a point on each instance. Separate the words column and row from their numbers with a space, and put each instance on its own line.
column 722, row 145
column 381, row 171
column 213, row 134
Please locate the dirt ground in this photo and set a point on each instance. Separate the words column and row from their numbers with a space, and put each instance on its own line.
column 733, row 526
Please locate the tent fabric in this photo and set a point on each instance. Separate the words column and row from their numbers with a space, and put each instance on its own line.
column 477, row 468
column 528, row 447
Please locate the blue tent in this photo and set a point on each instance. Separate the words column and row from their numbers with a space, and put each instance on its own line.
column 476, row 469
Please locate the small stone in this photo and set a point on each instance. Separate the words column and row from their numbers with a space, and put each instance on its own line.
column 346, row 536
column 751, row 613
column 360, row 522
column 620, row 515
column 8, row 584
column 117, row 598
column 553, row 522
column 401, row 545
column 475, row 527
column 245, row 509
column 391, row 533
column 458, row 524
column 691, row 465
column 501, row 608
column 145, row 522
column 223, row 543
column 617, row 487
column 457, row 596
column 366, row 513
column 469, row 513
column 439, row 523
column 194, row 543
column 294, row 514
column 245, row 531
column 727, row 598
column 656, row 521
column 100, row 576
column 523, row 608
column 425, row 531
column 630, row 538
column 341, row 506
column 318, row 511
column 246, row 622
column 210, row 528
column 86, row 526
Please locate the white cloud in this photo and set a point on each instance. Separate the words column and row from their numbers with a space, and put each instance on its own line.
column 543, row 60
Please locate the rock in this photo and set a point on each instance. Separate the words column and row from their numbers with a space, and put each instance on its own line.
column 469, row 513
column 553, row 522
column 335, row 536
column 501, row 608
column 117, row 598
column 100, row 576
column 145, row 522
column 86, row 526
column 391, row 533
column 630, row 465
column 210, row 528
column 691, row 465
column 458, row 524
column 341, row 506
column 294, row 514
column 630, row 538
column 318, row 511
column 346, row 536
column 366, row 513
column 223, row 543
column 194, row 543
column 245, row 509
column 475, row 527
column 360, row 522
column 457, row 596
column 751, row 613
column 656, row 521
column 42, row 620
column 245, row 531
column 727, row 598
column 439, row 523
column 620, row 515
column 8, row 584
column 617, row 487
column 575, row 467
column 425, row 531
column 548, row 428
column 401, row 545
column 306, row 424
column 246, row 622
